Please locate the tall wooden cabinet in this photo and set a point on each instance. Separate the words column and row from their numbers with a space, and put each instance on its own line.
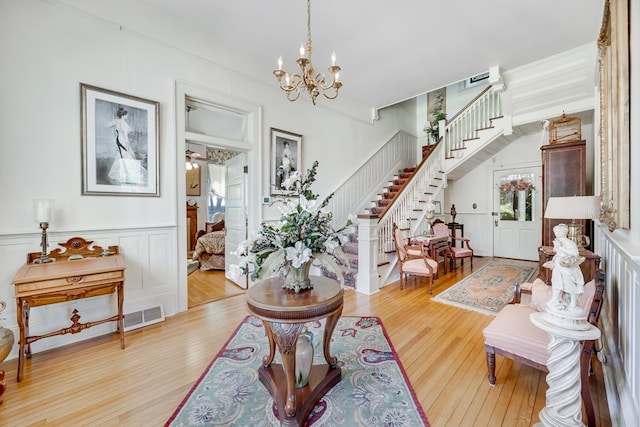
column 563, row 174
column 192, row 227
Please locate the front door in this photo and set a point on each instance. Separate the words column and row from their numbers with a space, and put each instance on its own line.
column 235, row 219
column 517, row 216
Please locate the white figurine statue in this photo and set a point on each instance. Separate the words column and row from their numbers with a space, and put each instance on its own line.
column 566, row 277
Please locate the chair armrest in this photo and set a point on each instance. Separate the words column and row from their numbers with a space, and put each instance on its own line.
column 464, row 241
column 517, row 293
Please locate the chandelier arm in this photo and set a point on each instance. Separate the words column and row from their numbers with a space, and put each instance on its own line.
column 334, row 96
column 297, row 92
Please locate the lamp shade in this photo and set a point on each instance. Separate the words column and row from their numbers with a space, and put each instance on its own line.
column 43, row 210
column 575, row 207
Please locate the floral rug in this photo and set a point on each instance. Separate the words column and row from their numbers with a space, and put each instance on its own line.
column 491, row 287
column 374, row 390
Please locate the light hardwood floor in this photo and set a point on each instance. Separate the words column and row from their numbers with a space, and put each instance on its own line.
column 94, row 383
column 207, row 286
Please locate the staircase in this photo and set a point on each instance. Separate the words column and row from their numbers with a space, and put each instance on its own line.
column 348, row 262
column 478, row 131
column 470, row 137
column 386, row 198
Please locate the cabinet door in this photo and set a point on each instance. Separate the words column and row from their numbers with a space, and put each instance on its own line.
column 563, row 175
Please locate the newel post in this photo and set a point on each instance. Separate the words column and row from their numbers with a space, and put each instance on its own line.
column 367, row 280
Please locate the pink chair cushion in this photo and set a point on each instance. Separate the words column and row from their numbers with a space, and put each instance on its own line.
column 513, row 331
column 541, row 293
column 417, row 266
column 461, row 252
column 414, row 252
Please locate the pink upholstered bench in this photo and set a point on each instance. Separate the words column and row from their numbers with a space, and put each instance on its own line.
column 512, row 334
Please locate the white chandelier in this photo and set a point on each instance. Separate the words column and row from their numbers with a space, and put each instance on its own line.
column 295, row 83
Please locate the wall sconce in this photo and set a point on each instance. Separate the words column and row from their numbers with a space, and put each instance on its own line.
column 44, row 215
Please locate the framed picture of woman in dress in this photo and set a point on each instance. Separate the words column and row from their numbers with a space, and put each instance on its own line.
column 120, row 141
column 286, row 153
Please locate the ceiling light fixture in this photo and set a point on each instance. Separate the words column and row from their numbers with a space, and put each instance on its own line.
column 295, row 83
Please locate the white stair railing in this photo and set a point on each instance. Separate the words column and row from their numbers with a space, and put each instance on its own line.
column 463, row 127
column 408, row 208
column 357, row 192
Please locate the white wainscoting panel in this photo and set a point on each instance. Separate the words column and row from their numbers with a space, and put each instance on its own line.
column 151, row 279
column 620, row 330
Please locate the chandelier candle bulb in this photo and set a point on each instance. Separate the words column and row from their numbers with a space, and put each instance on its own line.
column 301, row 50
column 279, row 63
column 333, row 59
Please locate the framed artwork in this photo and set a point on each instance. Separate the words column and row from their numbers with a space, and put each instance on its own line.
column 438, row 209
column 286, row 158
column 193, row 182
column 615, row 133
column 120, row 143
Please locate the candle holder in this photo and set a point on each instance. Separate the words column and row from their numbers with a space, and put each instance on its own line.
column 44, row 258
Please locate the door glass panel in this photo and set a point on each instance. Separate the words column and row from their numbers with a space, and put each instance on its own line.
column 516, row 197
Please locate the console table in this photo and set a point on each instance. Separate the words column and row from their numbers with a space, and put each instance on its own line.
column 588, row 267
column 284, row 314
column 95, row 272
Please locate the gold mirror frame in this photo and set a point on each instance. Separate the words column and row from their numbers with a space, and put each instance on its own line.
column 613, row 64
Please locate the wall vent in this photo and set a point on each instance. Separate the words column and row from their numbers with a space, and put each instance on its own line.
column 139, row 319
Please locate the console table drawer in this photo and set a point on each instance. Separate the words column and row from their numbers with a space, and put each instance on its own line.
column 67, row 283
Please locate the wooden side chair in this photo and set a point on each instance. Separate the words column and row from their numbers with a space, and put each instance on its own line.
column 454, row 252
column 511, row 334
column 413, row 264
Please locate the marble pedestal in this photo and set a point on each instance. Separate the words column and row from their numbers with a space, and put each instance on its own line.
column 566, row 330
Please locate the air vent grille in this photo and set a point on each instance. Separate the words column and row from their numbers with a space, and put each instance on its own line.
column 139, row 319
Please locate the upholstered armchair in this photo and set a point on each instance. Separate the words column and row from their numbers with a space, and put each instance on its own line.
column 413, row 264
column 511, row 333
column 454, row 252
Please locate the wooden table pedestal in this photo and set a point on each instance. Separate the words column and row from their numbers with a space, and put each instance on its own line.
column 284, row 314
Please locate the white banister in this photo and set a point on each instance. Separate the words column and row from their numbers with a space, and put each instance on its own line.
column 362, row 187
column 463, row 127
column 408, row 208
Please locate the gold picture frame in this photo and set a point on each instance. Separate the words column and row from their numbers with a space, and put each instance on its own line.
column 613, row 67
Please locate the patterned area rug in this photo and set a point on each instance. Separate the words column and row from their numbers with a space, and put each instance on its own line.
column 490, row 288
column 374, row 390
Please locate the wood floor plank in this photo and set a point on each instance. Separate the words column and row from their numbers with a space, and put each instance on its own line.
column 93, row 382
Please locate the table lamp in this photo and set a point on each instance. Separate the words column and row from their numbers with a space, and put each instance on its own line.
column 44, row 215
column 575, row 207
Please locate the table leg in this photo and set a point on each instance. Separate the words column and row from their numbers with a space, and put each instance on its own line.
column 23, row 327
column 120, row 313
column 267, row 360
column 332, row 320
column 286, row 337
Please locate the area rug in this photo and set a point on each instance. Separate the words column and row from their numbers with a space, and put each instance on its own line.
column 374, row 390
column 192, row 266
column 491, row 287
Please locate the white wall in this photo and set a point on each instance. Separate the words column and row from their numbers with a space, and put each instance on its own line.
column 54, row 45
column 477, row 186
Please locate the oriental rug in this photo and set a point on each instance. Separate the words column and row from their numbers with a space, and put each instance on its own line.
column 491, row 287
column 374, row 390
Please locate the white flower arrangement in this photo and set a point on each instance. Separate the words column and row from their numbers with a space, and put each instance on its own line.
column 303, row 233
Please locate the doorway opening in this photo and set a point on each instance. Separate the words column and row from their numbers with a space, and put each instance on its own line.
column 214, row 142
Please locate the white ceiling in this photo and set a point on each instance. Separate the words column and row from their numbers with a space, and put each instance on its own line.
column 390, row 51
